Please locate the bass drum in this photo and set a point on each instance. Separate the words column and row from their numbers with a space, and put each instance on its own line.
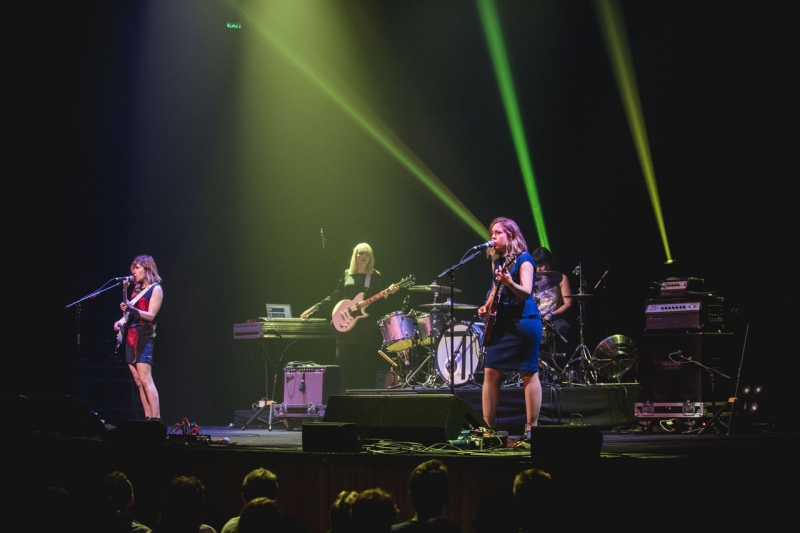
column 467, row 343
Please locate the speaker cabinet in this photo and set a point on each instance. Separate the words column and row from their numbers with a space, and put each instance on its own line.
column 668, row 371
column 310, row 385
column 422, row 418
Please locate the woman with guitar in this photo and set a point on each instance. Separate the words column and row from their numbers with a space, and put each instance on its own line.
column 137, row 329
column 357, row 336
column 513, row 323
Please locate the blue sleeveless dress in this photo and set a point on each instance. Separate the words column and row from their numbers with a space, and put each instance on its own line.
column 517, row 331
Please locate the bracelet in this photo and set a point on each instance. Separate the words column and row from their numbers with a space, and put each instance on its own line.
column 551, row 314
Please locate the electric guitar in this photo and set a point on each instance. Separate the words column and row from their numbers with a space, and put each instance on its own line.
column 123, row 329
column 348, row 312
column 494, row 298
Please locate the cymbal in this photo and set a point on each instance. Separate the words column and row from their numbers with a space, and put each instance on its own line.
column 578, row 295
column 614, row 356
column 548, row 277
column 441, row 289
column 446, row 305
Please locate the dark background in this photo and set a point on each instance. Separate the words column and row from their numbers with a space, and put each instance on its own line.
column 151, row 127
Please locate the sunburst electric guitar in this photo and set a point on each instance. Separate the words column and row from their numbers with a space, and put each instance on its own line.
column 348, row 312
column 494, row 298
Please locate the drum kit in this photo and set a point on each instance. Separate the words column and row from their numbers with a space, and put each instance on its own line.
column 449, row 349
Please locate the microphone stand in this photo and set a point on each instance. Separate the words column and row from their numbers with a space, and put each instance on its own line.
column 452, row 272
column 106, row 287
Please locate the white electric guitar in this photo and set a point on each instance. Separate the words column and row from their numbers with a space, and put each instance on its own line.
column 348, row 312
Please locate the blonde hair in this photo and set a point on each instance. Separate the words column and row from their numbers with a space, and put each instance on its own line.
column 362, row 247
column 516, row 242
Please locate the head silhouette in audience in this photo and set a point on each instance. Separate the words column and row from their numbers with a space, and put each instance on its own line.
column 372, row 511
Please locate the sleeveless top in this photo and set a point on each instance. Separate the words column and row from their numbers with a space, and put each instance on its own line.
column 139, row 330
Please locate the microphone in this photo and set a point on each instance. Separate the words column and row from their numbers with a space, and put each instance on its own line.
column 577, row 270
column 124, row 278
column 322, row 236
column 483, row 246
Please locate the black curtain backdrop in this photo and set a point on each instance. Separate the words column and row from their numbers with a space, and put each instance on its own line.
column 130, row 134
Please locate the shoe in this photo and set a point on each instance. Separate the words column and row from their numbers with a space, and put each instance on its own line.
column 526, row 434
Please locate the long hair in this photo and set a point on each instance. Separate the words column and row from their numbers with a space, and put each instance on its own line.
column 150, row 268
column 362, row 247
column 516, row 242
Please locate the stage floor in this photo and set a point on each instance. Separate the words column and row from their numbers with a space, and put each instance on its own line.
column 629, row 476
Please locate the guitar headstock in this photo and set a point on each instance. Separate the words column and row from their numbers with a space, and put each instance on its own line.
column 406, row 281
column 510, row 261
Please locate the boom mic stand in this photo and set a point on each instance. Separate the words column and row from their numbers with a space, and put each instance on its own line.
column 452, row 272
column 731, row 401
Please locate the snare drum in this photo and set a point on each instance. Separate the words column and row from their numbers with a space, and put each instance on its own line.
column 397, row 330
column 467, row 340
column 429, row 327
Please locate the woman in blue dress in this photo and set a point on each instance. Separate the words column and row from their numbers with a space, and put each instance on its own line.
column 513, row 322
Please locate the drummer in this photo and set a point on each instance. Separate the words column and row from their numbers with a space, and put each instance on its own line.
column 551, row 289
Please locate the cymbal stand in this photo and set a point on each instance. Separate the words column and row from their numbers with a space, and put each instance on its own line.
column 407, row 382
column 581, row 356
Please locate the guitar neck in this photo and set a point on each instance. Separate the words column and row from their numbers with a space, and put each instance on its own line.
column 371, row 299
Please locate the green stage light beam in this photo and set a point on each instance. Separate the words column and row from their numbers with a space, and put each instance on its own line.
column 613, row 27
column 502, row 69
column 361, row 113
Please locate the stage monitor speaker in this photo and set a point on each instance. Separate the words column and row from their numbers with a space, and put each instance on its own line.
column 63, row 415
column 337, row 437
column 304, row 385
column 421, row 418
column 565, row 444
column 138, row 434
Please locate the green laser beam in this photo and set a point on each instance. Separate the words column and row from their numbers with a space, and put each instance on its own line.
column 613, row 27
column 497, row 51
column 374, row 125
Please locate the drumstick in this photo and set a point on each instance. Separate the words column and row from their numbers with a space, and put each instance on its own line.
column 388, row 359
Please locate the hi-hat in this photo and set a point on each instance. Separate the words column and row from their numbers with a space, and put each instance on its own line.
column 441, row 289
column 578, row 295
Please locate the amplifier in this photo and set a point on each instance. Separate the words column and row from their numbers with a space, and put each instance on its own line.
column 694, row 314
column 680, row 287
column 312, row 384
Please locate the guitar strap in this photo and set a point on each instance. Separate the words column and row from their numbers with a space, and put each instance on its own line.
column 141, row 293
column 366, row 279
